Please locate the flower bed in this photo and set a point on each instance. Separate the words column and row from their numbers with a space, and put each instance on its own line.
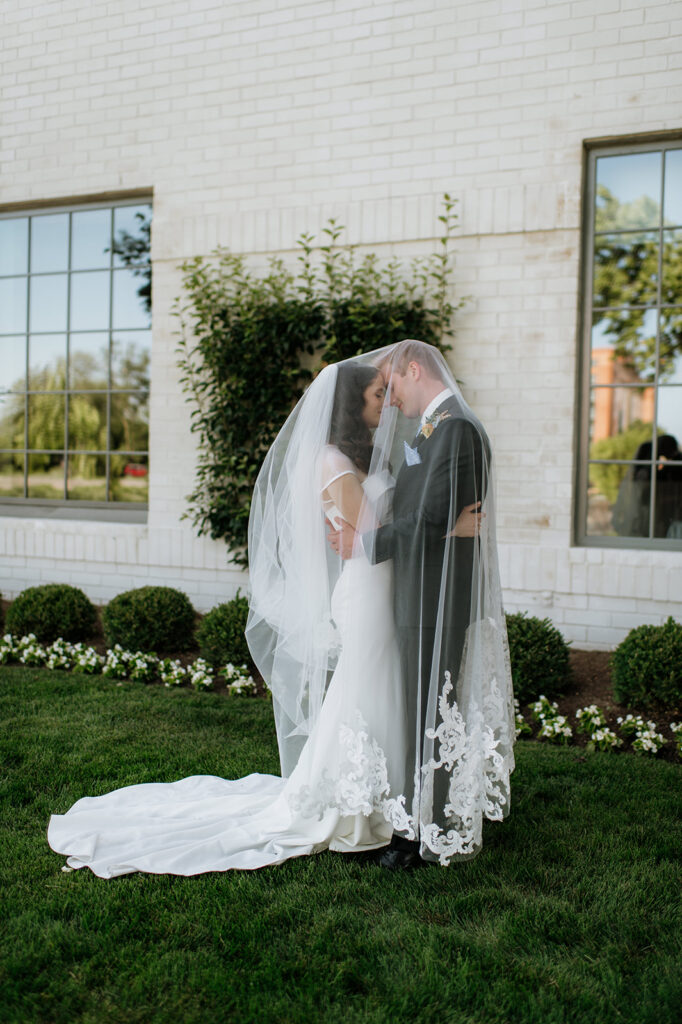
column 119, row 664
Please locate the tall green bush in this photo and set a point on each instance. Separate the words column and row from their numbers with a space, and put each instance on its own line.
column 646, row 667
column 249, row 344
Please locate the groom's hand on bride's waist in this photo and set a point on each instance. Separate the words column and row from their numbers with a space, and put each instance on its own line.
column 343, row 541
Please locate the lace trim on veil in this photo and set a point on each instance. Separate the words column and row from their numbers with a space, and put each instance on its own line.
column 471, row 755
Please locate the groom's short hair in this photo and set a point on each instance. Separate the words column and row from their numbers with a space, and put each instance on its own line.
column 413, row 351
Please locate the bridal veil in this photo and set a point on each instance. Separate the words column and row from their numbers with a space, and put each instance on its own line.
column 453, row 682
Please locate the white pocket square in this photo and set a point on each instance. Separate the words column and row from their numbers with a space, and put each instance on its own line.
column 412, row 456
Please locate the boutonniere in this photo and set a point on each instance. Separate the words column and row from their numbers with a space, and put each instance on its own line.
column 432, row 422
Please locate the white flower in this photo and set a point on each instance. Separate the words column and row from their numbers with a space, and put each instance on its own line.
column 605, row 739
column 648, row 741
column 590, row 718
column 543, row 708
column 238, row 679
column 87, row 660
column 171, row 672
column 200, row 674
column 555, row 729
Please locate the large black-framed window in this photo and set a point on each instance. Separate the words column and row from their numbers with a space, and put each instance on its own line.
column 75, row 342
column 629, row 481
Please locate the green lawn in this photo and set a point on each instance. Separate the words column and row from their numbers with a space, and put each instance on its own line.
column 571, row 912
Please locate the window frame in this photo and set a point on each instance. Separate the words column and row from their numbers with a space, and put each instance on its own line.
column 592, row 150
column 64, row 507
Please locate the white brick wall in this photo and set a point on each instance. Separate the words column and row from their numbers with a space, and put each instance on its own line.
column 255, row 120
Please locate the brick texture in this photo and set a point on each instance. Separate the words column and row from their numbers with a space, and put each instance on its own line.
column 255, row 120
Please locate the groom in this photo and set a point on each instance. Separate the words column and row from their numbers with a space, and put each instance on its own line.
column 436, row 516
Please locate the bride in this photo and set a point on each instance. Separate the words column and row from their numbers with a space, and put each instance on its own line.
column 323, row 632
column 384, row 731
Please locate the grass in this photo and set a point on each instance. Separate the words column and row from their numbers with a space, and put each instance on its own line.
column 571, row 913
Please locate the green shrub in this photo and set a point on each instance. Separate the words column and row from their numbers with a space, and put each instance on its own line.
column 646, row 666
column 539, row 657
column 221, row 633
column 158, row 619
column 50, row 611
column 250, row 342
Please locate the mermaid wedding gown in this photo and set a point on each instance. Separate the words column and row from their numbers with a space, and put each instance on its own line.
column 342, row 795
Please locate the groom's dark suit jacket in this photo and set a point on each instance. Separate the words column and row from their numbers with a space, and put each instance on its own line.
column 428, row 498
column 430, row 572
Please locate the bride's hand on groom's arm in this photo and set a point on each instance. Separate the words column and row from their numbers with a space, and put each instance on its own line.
column 468, row 521
column 343, row 541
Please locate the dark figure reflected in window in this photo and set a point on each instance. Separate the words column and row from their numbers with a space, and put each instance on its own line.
column 632, row 509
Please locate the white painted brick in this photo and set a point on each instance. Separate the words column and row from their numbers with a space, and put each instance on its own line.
column 342, row 106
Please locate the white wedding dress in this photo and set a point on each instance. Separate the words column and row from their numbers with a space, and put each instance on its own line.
column 342, row 795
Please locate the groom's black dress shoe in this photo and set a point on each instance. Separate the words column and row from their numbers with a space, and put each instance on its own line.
column 400, row 860
column 401, row 855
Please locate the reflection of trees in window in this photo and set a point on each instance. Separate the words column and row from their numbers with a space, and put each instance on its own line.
column 134, row 252
column 626, row 271
column 77, row 426
column 632, row 487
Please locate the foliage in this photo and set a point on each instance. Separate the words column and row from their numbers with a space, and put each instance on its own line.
column 156, row 619
column 626, row 280
column 220, row 634
column 249, row 344
column 134, row 252
column 570, row 913
column 608, row 478
column 539, row 657
column 647, row 666
column 51, row 611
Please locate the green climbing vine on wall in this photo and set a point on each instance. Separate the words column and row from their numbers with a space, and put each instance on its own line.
column 249, row 344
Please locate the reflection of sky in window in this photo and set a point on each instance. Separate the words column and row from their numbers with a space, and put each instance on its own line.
column 672, row 209
column 670, row 411
column 90, row 239
column 49, row 242
column 13, row 363
column 14, row 246
column 46, row 355
column 90, row 300
column 128, row 306
column 48, row 303
column 634, row 183
column 12, row 305
column 603, row 338
column 631, row 176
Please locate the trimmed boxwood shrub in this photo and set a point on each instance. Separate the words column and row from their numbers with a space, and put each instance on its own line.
column 646, row 667
column 50, row 611
column 159, row 619
column 221, row 633
column 539, row 657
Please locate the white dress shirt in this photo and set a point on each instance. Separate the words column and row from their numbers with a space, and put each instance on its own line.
column 433, row 405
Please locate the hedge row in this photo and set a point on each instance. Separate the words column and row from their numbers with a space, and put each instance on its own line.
column 646, row 666
column 159, row 619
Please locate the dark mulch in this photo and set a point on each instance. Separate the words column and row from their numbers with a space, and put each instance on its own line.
column 591, row 684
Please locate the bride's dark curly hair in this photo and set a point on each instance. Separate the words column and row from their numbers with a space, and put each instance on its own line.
column 348, row 431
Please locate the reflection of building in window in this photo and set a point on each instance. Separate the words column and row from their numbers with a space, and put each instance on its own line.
column 633, row 344
column 75, row 311
column 615, row 409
